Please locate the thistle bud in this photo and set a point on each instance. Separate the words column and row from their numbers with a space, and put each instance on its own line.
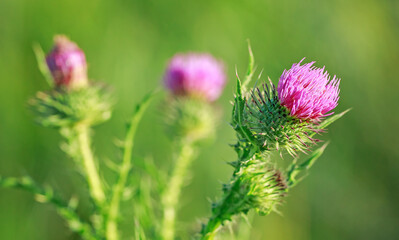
column 256, row 185
column 67, row 64
column 195, row 75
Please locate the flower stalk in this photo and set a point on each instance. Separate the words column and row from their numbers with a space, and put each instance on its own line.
column 89, row 165
column 214, row 223
column 211, row 228
column 124, row 169
column 173, row 191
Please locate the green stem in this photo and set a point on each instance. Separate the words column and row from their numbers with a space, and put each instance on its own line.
column 47, row 195
column 223, row 210
column 89, row 166
column 212, row 227
column 111, row 224
column 172, row 193
column 219, row 214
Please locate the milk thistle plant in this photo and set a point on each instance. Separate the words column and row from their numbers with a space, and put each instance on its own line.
column 266, row 119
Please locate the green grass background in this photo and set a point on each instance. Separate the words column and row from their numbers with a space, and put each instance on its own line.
column 352, row 191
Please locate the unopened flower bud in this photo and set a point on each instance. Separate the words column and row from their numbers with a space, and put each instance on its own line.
column 195, row 75
column 67, row 64
column 261, row 185
column 256, row 185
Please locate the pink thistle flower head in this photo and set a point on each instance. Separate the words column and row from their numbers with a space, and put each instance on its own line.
column 67, row 63
column 308, row 92
column 195, row 75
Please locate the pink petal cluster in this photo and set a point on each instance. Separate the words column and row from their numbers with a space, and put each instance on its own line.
column 195, row 74
column 308, row 92
column 67, row 63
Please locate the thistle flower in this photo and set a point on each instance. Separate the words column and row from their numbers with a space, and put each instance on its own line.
column 67, row 63
column 287, row 117
column 195, row 80
column 308, row 92
column 262, row 122
column 195, row 75
column 61, row 107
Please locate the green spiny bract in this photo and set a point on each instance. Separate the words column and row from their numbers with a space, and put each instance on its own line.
column 271, row 124
column 255, row 185
column 64, row 108
column 190, row 119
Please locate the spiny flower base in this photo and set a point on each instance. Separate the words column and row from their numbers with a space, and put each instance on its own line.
column 190, row 118
column 62, row 107
column 272, row 125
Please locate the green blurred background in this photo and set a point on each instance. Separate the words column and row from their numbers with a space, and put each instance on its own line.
column 352, row 191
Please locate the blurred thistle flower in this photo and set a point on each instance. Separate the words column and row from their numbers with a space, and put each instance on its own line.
column 195, row 81
column 67, row 63
column 89, row 104
column 307, row 91
column 195, row 75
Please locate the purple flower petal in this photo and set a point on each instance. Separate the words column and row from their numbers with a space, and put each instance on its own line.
column 195, row 74
column 67, row 63
column 308, row 92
